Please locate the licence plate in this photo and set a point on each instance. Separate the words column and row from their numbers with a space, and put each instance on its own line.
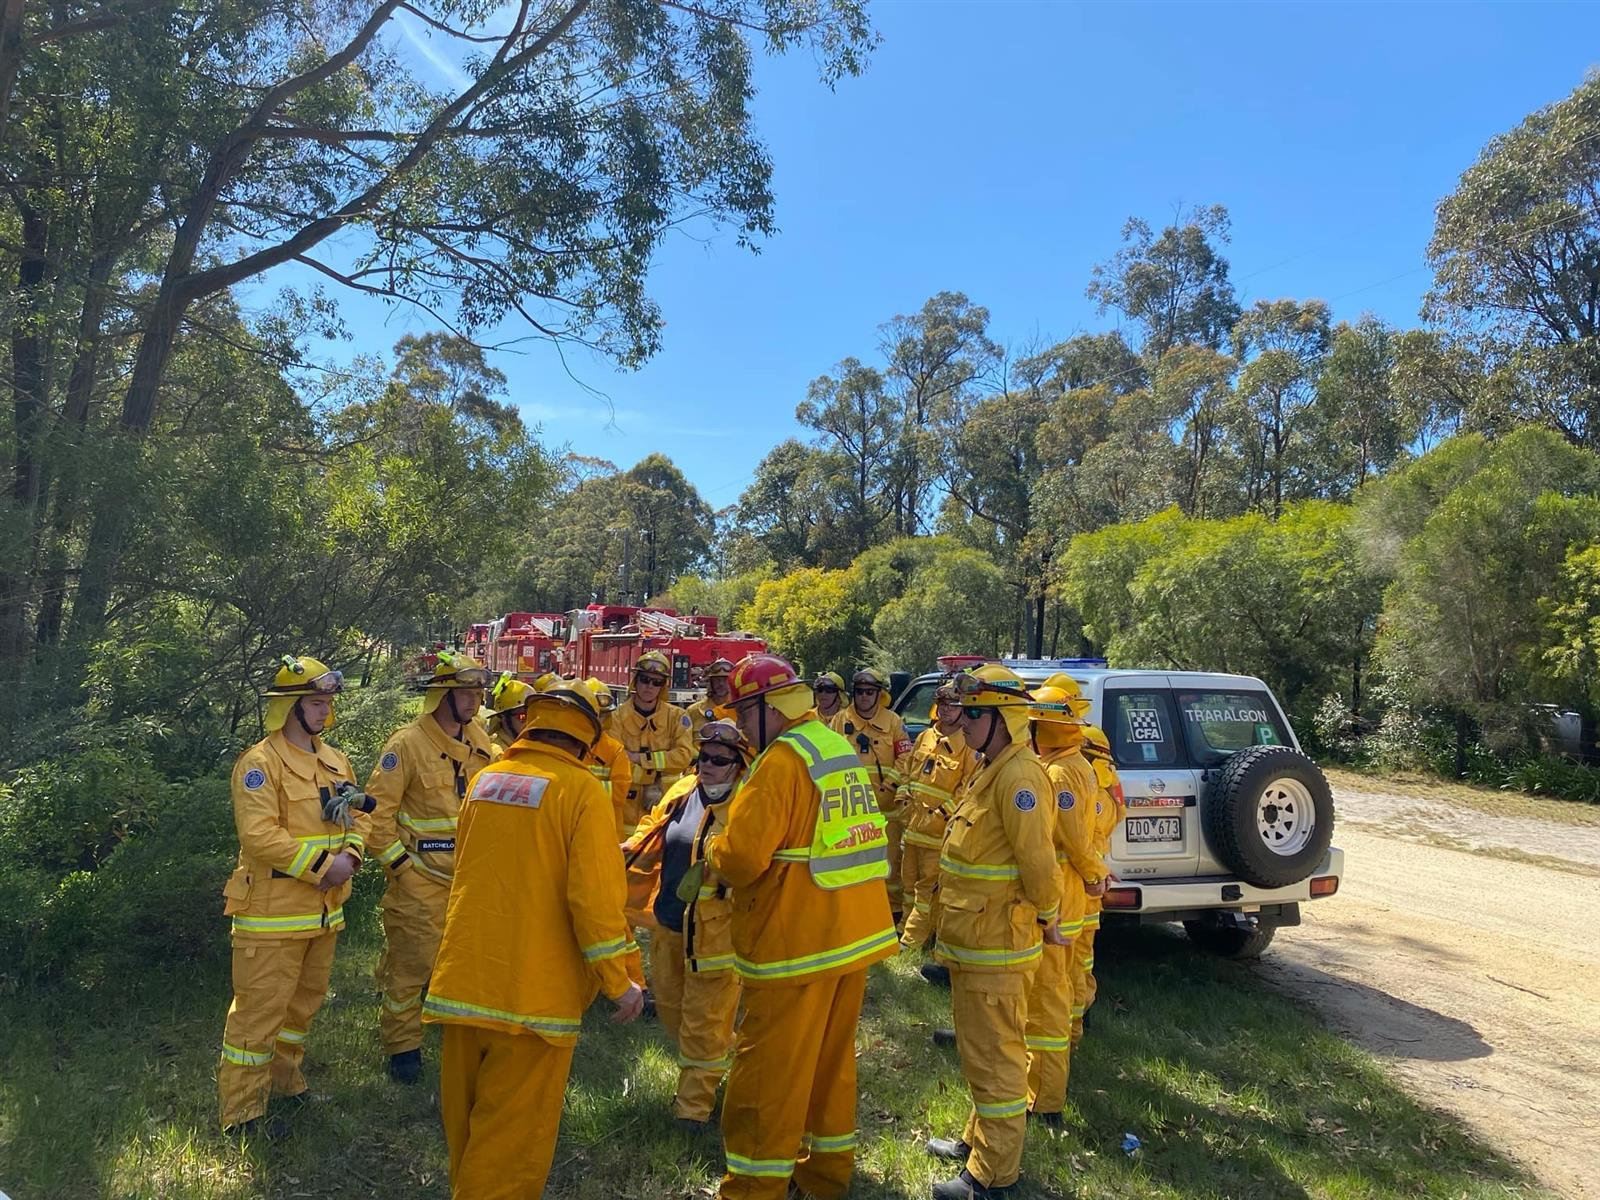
column 1155, row 829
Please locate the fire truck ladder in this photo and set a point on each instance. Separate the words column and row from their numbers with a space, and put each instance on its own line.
column 662, row 624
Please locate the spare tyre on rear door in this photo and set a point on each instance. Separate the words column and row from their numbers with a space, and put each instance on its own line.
column 1268, row 814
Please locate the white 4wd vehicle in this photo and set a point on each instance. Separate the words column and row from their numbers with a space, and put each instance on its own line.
column 1228, row 826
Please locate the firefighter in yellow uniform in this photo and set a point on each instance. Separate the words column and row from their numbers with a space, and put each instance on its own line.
column 999, row 896
column 696, row 989
column 1058, row 725
column 508, row 709
column 1108, row 810
column 939, row 763
column 804, row 850
column 609, row 761
column 535, row 927
column 421, row 776
column 301, row 835
column 657, row 734
column 828, row 691
column 876, row 733
column 713, row 706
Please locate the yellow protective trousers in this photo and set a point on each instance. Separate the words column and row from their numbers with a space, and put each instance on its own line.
column 1049, row 1030
column 697, row 1009
column 1084, row 987
column 278, row 986
column 990, row 1010
column 790, row 1109
column 500, row 1096
column 919, row 877
column 895, row 829
column 413, row 921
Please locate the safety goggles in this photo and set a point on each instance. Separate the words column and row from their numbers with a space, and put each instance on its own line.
column 329, row 683
column 469, row 677
column 717, row 760
column 644, row 680
column 971, row 685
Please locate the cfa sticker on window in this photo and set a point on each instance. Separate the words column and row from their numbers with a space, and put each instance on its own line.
column 1144, row 725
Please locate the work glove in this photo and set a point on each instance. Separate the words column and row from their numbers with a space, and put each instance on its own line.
column 689, row 885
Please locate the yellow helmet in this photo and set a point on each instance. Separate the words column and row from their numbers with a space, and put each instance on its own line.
column 545, row 680
column 945, row 693
column 871, row 677
column 451, row 671
column 605, row 700
column 654, row 662
column 1056, row 723
column 297, row 677
column 508, row 694
column 1001, row 688
column 567, row 708
column 726, row 733
column 1095, row 742
column 1075, row 697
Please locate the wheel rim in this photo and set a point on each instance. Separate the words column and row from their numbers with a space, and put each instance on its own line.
column 1285, row 816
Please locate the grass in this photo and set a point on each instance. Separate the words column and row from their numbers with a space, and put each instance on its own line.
column 1499, row 802
column 1233, row 1090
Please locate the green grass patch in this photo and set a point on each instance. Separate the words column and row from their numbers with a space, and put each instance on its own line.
column 1233, row 1090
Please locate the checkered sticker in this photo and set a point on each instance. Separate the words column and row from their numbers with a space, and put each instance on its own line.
column 1144, row 725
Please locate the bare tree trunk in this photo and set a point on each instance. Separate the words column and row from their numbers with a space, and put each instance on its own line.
column 28, row 407
column 1036, row 642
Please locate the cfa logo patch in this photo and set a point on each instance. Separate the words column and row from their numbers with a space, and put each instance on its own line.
column 1025, row 801
column 1065, row 801
column 687, row 723
column 254, row 778
column 389, row 761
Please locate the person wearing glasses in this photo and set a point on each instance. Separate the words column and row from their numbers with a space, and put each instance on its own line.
column 696, row 989
column 999, row 901
column 713, row 706
column 879, row 737
column 657, row 734
column 421, row 776
column 298, row 848
column 828, row 689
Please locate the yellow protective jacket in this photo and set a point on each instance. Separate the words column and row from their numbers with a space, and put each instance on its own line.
column 284, row 844
column 609, row 764
column 999, row 884
column 708, row 921
column 535, row 925
column 886, row 749
column 1076, row 790
column 785, row 928
column 666, row 739
column 1109, row 806
column 421, row 775
column 703, row 711
column 937, row 766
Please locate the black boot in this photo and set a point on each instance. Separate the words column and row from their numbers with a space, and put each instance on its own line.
column 936, row 973
column 257, row 1129
column 952, row 1148
column 965, row 1187
column 944, row 1037
column 1053, row 1121
column 406, row 1067
column 648, row 1012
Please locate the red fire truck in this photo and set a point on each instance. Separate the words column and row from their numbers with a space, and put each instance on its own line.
column 605, row 640
column 525, row 644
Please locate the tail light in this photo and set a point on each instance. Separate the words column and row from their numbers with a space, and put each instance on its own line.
column 1324, row 885
column 1123, row 897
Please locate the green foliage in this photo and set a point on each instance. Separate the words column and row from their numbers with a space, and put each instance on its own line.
column 1283, row 599
column 724, row 599
column 811, row 616
column 1472, row 535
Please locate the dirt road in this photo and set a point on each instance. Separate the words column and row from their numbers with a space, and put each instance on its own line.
column 1477, row 976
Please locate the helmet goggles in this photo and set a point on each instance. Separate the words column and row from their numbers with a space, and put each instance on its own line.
column 328, row 683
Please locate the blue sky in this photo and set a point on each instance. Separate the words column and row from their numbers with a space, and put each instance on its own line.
column 997, row 148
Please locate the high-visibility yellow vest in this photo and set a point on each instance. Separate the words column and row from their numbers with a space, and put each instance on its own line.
column 849, row 843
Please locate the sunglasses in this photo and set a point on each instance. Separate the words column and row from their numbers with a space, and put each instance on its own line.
column 650, row 680
column 865, row 690
column 974, row 713
column 717, row 760
column 826, row 689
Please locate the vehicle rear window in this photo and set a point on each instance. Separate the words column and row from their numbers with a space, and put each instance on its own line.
column 914, row 705
column 1219, row 723
column 1141, row 728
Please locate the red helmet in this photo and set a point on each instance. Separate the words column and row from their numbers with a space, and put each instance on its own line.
column 759, row 674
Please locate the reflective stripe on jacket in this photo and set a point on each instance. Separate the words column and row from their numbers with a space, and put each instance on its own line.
column 284, row 844
column 938, row 765
column 785, row 927
column 421, row 775
column 529, row 957
column 998, row 877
